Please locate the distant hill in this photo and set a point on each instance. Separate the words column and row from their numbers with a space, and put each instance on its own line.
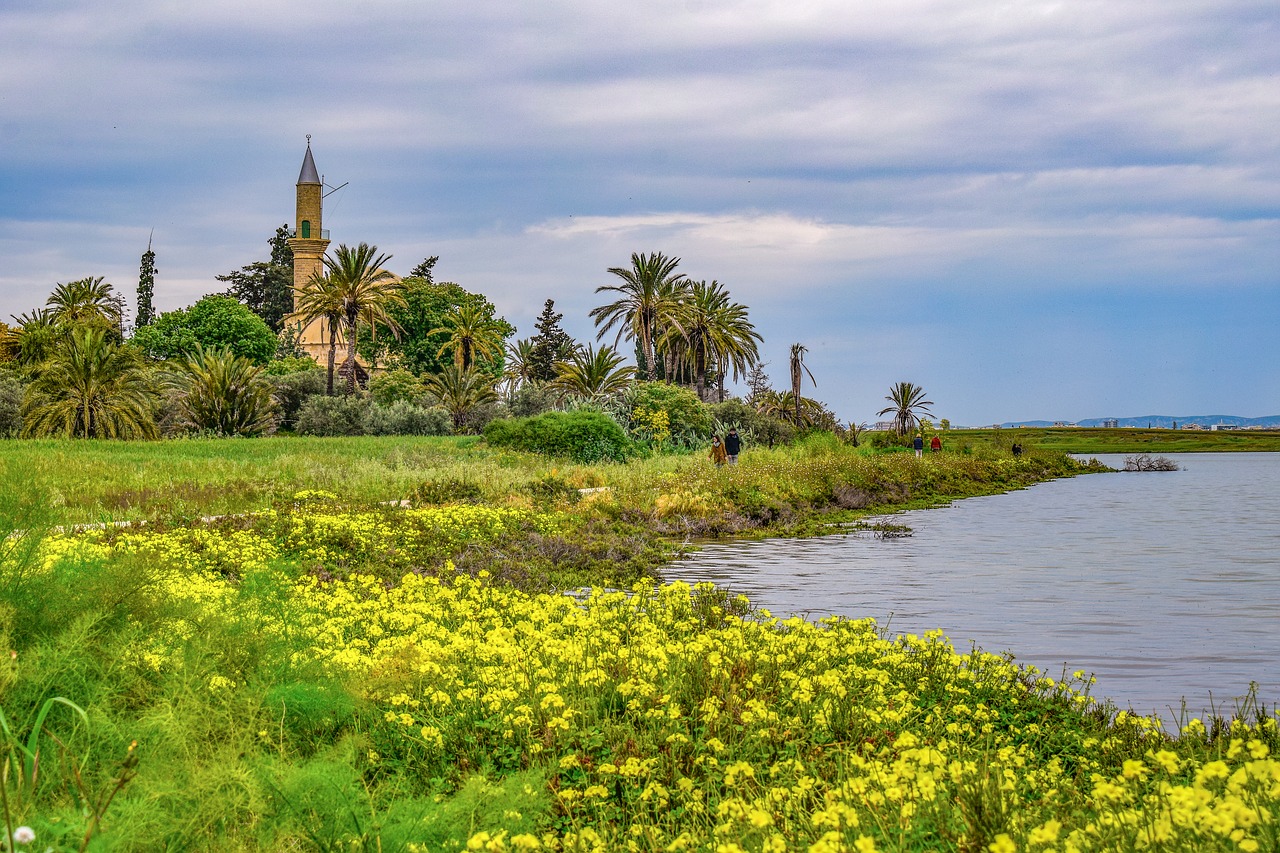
column 1164, row 421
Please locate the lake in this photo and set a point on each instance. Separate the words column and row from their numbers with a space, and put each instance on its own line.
column 1164, row 585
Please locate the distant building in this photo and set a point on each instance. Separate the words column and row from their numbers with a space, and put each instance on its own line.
column 1110, row 423
column 1062, row 424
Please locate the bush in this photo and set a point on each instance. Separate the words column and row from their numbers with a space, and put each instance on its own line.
column 448, row 490
column 688, row 419
column 290, row 364
column 530, row 399
column 10, row 407
column 581, row 436
column 331, row 416
column 294, row 389
column 403, row 418
column 887, row 439
column 397, row 385
column 475, row 419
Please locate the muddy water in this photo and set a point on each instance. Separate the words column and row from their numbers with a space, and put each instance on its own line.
column 1164, row 585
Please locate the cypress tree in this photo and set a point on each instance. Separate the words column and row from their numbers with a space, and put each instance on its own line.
column 146, row 287
column 550, row 344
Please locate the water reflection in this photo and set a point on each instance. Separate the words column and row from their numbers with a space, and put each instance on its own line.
column 1165, row 584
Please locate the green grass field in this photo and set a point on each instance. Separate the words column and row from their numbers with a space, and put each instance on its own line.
column 332, row 673
column 1095, row 440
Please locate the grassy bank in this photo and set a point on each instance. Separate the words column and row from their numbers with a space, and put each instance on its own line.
column 329, row 673
column 1128, row 440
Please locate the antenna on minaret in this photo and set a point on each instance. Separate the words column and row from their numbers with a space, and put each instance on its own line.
column 332, row 190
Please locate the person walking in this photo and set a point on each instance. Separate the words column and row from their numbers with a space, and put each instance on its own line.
column 732, row 446
column 935, row 444
column 918, row 444
column 718, row 455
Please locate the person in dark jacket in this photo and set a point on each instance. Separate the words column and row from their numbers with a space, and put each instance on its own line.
column 732, row 445
column 918, row 444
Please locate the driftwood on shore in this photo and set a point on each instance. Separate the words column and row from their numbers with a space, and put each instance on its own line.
column 1146, row 462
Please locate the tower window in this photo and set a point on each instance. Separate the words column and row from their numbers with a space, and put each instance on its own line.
column 306, row 229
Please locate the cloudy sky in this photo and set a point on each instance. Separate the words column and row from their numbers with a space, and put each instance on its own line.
column 1032, row 209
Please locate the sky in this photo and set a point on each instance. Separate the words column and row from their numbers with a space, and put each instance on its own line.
column 1033, row 210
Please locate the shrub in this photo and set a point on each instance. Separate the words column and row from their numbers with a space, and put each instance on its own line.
column 688, row 419
column 581, row 436
column 294, row 389
column 331, row 416
column 289, row 365
column 887, row 439
column 10, row 407
column 404, row 418
column 531, row 399
column 397, row 385
column 553, row 489
column 448, row 490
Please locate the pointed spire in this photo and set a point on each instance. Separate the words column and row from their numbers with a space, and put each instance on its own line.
column 308, row 175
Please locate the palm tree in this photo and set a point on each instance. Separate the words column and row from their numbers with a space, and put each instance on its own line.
column 591, row 373
column 320, row 299
column 520, row 367
column 798, row 369
column 85, row 300
column 90, row 388
column 368, row 291
column 649, row 296
column 713, row 330
column 37, row 336
column 908, row 404
column 460, row 391
column 473, row 334
column 800, row 412
column 224, row 393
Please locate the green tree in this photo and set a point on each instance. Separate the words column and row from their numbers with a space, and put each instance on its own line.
column 908, row 404
column 146, row 287
column 216, row 320
column 420, row 319
column 472, row 334
column 266, row 287
column 425, row 269
column 460, row 391
column 368, row 292
column 591, row 373
column 648, row 300
column 224, row 393
column 91, row 387
column 321, row 299
column 550, row 345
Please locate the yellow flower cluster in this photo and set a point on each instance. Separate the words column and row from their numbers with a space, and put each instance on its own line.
column 666, row 732
column 667, row 724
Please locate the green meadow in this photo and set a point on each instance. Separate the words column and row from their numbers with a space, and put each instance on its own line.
column 370, row 648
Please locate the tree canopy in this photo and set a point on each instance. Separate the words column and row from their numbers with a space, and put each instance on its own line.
column 215, row 321
column 422, row 328
column 266, row 287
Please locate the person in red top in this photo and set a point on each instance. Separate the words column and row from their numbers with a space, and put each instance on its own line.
column 935, row 444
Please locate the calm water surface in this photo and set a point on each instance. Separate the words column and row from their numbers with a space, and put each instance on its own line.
column 1165, row 585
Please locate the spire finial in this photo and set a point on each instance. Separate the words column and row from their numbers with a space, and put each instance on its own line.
column 308, row 140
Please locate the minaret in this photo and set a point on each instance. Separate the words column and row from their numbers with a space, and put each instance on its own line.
column 309, row 242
